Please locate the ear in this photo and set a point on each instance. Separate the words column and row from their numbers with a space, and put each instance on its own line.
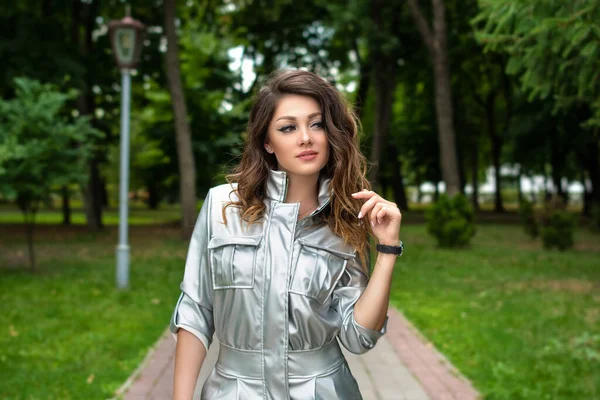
column 267, row 146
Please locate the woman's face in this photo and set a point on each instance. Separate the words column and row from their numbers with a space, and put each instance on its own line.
column 296, row 135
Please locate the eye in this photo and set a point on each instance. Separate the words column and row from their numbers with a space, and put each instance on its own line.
column 317, row 125
column 287, row 128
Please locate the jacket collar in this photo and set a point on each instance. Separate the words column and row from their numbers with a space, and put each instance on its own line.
column 277, row 189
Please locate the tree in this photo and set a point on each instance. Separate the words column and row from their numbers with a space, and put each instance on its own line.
column 40, row 150
column 187, row 164
column 561, row 67
column 436, row 42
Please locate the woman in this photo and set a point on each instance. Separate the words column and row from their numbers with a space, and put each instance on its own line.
column 278, row 263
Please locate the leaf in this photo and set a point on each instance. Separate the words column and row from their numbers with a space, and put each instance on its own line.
column 589, row 49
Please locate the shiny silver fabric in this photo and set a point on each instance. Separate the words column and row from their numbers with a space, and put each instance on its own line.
column 277, row 294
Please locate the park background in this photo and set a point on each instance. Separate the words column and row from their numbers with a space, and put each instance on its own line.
column 480, row 119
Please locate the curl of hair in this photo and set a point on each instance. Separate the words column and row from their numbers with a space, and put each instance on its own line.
column 347, row 166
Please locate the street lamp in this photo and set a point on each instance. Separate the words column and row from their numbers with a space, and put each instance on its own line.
column 126, row 42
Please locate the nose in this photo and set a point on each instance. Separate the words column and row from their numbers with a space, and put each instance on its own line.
column 304, row 136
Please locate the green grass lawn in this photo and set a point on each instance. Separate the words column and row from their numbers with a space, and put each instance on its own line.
column 137, row 216
column 66, row 332
column 520, row 322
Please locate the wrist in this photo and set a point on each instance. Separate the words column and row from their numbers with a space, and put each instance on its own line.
column 396, row 249
column 387, row 242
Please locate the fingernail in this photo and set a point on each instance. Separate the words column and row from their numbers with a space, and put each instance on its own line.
column 360, row 215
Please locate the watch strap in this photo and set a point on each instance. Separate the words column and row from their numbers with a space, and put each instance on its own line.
column 397, row 250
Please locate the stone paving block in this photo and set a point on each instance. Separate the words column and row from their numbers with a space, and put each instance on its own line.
column 391, row 394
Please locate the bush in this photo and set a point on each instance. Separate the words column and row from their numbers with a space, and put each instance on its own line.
column 528, row 218
column 558, row 230
column 451, row 221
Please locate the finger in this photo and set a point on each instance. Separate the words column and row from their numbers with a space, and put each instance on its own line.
column 376, row 210
column 367, row 206
column 392, row 213
column 364, row 194
column 383, row 212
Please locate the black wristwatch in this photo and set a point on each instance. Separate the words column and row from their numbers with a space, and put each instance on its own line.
column 397, row 250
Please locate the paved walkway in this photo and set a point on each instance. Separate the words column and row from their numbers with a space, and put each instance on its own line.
column 402, row 366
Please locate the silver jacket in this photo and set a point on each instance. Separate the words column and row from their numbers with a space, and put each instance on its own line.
column 277, row 293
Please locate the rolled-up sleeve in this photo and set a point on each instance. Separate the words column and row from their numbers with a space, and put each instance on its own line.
column 353, row 336
column 193, row 311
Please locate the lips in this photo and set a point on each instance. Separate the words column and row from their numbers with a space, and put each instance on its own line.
column 307, row 153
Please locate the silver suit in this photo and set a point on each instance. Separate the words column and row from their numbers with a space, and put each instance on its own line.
column 277, row 293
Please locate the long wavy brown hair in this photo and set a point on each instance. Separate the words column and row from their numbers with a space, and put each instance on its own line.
column 347, row 166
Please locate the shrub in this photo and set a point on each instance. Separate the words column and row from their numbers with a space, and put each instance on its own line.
column 451, row 221
column 558, row 230
column 528, row 218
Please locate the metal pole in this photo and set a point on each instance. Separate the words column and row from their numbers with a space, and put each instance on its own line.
column 123, row 246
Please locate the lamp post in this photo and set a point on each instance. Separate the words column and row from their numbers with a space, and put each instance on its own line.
column 126, row 42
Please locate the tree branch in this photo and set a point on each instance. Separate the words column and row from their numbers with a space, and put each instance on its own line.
column 422, row 25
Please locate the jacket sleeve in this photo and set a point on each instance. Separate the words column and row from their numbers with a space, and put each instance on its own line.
column 193, row 311
column 353, row 336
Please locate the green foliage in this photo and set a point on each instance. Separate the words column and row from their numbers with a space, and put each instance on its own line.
column 451, row 221
column 558, row 230
column 553, row 47
column 528, row 218
column 40, row 149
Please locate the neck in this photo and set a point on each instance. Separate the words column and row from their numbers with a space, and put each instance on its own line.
column 302, row 189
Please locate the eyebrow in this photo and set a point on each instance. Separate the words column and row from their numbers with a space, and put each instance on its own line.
column 294, row 118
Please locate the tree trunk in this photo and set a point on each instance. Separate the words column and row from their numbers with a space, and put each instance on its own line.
column 187, row 167
column 30, row 245
column 363, row 84
column 397, row 181
column 66, row 206
column 85, row 105
column 461, row 171
column 103, row 193
column 385, row 84
column 475, row 174
column 557, row 161
column 496, row 143
column 153, row 194
column 593, row 168
column 437, row 46
column 534, row 196
column 29, row 217
column 519, row 188
column 384, row 185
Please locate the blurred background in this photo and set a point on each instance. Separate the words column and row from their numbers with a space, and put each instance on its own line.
column 480, row 119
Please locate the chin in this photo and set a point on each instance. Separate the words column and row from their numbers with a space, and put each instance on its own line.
column 304, row 170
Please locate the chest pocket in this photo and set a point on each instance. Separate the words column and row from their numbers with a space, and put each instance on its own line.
column 317, row 271
column 233, row 261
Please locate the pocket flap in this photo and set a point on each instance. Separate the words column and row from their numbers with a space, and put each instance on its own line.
column 219, row 241
column 342, row 254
